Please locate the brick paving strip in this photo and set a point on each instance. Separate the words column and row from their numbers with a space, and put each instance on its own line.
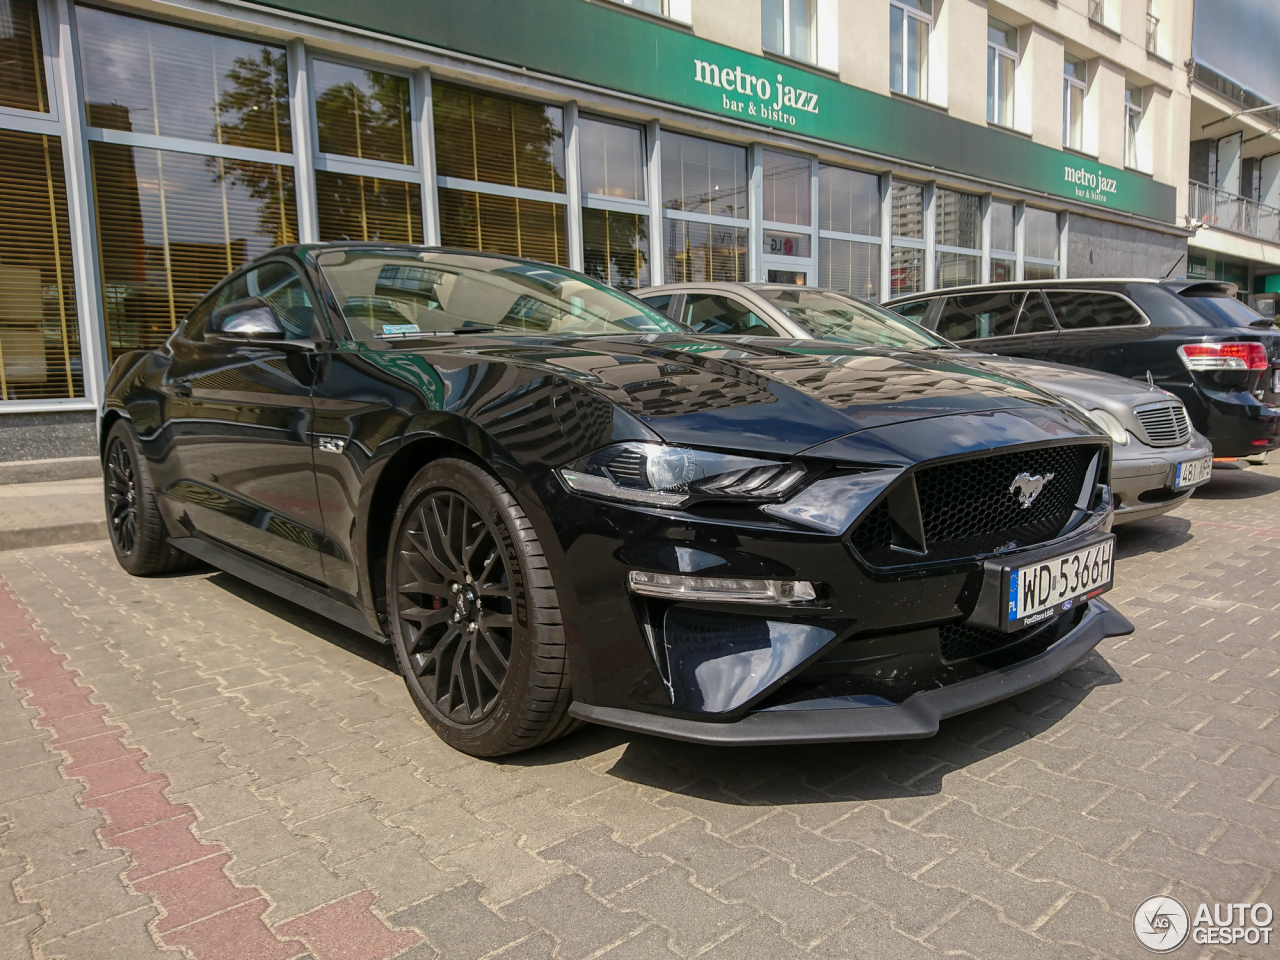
column 202, row 909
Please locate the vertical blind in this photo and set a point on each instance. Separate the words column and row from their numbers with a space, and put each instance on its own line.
column 171, row 225
column 363, row 113
column 500, row 140
column 704, row 251
column 367, row 208
column 702, row 176
column 849, row 266
column 22, row 81
column 39, row 337
column 616, row 247
column 173, row 82
column 612, row 159
column 787, row 187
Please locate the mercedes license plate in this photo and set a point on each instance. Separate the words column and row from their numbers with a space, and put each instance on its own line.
column 1044, row 589
column 1191, row 472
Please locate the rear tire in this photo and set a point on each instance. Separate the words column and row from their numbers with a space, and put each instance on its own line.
column 134, row 524
column 475, row 621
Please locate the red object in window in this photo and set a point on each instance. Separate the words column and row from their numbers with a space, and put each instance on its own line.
column 1224, row 356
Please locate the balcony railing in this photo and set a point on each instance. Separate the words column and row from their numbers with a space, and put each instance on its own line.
column 1153, row 33
column 1226, row 211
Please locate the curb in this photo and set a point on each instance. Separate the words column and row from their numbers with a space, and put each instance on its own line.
column 49, row 536
column 40, row 471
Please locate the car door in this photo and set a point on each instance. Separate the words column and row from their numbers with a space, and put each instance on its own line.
column 242, row 428
column 1095, row 326
column 993, row 321
column 718, row 315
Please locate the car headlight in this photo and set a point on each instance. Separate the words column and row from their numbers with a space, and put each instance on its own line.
column 664, row 476
column 1104, row 421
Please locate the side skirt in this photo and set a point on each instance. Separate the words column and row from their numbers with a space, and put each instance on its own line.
column 268, row 577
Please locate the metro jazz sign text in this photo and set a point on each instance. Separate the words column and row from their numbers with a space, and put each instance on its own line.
column 735, row 81
column 1089, row 185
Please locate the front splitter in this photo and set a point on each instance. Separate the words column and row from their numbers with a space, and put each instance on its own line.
column 837, row 720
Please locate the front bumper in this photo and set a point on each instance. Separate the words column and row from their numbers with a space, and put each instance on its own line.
column 1142, row 477
column 849, row 719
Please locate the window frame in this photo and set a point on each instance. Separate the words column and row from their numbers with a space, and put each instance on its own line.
column 939, row 248
column 922, row 81
column 821, row 233
column 625, row 205
column 749, row 223
column 15, row 118
column 1068, row 84
column 357, row 166
column 787, row 45
column 1133, row 116
column 1000, row 51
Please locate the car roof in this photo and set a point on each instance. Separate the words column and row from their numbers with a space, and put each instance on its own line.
column 1222, row 287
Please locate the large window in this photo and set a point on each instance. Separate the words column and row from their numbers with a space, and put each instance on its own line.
column 906, row 272
column 39, row 336
column 790, row 27
column 704, row 200
column 1073, row 77
column 1132, row 124
column 1042, row 236
column 849, row 231
column 615, row 214
column 1004, row 242
column 191, row 165
column 1002, row 60
column 500, row 163
column 958, row 232
column 366, row 181
column 39, row 339
column 909, row 24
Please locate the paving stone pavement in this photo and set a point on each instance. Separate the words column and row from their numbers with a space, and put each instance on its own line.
column 191, row 767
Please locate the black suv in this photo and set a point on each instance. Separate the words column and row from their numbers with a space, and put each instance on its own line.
column 1191, row 337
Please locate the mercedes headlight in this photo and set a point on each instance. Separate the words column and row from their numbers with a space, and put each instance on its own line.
column 1105, row 422
column 664, row 476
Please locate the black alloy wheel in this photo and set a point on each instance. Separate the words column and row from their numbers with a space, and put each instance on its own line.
column 456, row 605
column 474, row 617
column 134, row 524
column 122, row 495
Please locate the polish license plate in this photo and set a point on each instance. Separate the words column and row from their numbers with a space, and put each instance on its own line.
column 1191, row 472
column 1044, row 589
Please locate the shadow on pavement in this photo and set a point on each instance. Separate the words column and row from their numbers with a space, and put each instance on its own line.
column 1236, row 484
column 1156, row 535
column 830, row 773
column 366, row 648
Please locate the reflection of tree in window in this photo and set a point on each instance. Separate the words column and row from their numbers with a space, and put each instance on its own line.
column 259, row 103
column 616, row 247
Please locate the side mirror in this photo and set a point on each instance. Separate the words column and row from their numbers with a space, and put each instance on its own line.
column 251, row 319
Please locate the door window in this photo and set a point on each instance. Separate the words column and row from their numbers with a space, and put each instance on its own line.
column 978, row 315
column 723, row 316
column 1035, row 316
column 1082, row 310
column 913, row 311
column 281, row 286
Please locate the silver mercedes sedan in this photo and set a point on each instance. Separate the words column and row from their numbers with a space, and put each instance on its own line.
column 1158, row 458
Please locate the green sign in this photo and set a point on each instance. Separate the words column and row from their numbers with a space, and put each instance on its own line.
column 592, row 43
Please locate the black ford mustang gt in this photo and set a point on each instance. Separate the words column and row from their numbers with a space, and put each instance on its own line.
column 558, row 505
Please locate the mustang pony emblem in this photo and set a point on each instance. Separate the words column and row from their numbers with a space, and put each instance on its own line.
column 1028, row 487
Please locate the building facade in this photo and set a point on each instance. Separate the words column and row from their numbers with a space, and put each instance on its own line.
column 879, row 147
column 1233, row 189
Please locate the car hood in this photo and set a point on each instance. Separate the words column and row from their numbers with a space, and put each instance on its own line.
column 1089, row 388
column 744, row 393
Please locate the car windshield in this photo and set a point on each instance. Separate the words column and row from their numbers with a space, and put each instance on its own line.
column 830, row 316
column 404, row 293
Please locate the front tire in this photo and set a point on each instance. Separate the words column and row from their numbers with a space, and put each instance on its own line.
column 475, row 621
column 134, row 524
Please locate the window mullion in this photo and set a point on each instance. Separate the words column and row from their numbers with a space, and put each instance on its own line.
column 425, row 142
column 302, row 116
column 573, row 185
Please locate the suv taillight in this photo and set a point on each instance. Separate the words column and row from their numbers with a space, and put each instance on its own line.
column 1224, row 356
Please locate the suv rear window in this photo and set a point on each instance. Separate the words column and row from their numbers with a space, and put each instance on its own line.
column 1082, row 310
column 1223, row 311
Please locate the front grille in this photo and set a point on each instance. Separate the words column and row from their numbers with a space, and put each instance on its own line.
column 1166, row 425
column 968, row 508
column 960, row 641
